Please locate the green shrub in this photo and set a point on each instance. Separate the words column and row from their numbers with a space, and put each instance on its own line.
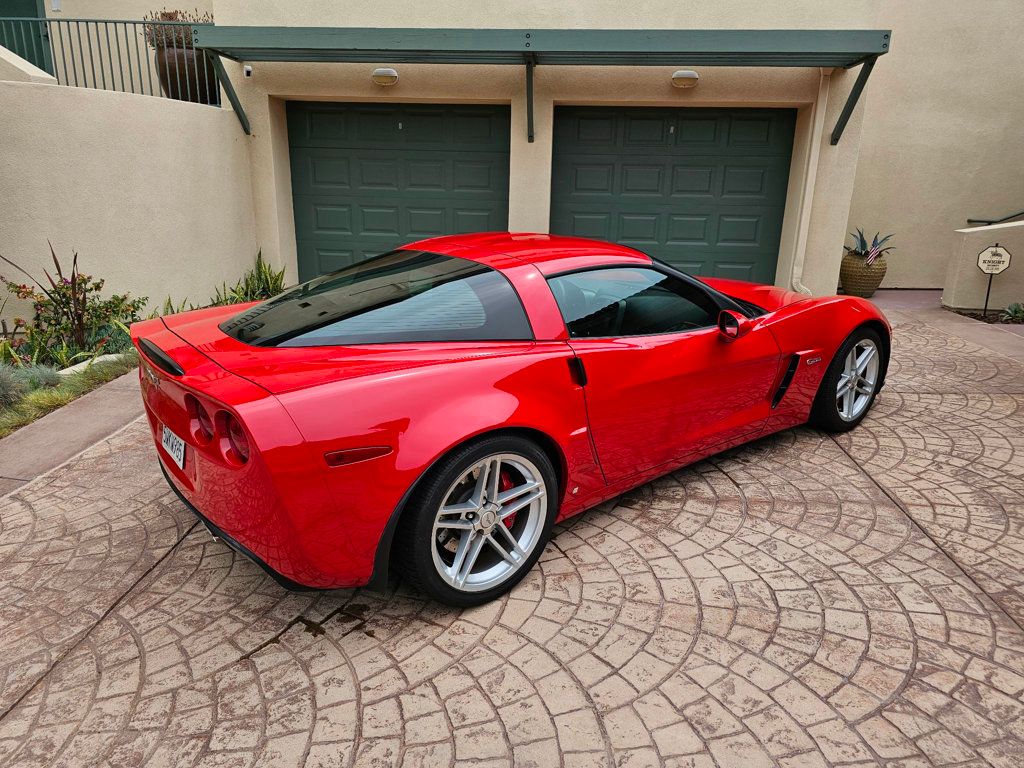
column 11, row 388
column 1014, row 312
column 259, row 283
column 72, row 320
column 37, row 376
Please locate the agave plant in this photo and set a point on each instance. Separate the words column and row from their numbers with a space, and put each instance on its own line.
column 1014, row 313
column 869, row 252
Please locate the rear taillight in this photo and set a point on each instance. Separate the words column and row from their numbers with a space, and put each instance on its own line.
column 234, row 440
column 202, row 424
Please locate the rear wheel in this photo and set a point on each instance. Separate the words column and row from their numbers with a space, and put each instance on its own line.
column 480, row 521
column 850, row 384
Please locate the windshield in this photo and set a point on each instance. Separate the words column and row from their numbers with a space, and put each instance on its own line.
column 402, row 296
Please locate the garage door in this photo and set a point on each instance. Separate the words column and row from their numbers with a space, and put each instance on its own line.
column 368, row 177
column 703, row 189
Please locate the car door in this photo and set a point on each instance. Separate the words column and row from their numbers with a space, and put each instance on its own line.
column 662, row 385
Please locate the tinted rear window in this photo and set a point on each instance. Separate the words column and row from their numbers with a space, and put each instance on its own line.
column 402, row 296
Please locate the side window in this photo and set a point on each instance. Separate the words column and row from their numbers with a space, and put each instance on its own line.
column 630, row 301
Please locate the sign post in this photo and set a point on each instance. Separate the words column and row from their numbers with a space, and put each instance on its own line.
column 992, row 261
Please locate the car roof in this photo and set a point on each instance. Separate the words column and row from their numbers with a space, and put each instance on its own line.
column 551, row 254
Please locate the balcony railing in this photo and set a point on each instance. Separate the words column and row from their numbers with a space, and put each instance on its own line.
column 154, row 58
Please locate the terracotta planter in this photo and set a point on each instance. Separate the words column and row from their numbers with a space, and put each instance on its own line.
column 186, row 75
column 859, row 279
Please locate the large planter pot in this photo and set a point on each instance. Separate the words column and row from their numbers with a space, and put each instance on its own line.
column 860, row 279
column 186, row 75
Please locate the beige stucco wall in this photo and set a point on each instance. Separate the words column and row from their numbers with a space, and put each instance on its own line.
column 154, row 194
column 821, row 175
column 943, row 126
column 965, row 284
column 15, row 69
column 118, row 9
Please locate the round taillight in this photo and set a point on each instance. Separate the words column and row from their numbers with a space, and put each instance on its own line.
column 238, row 442
column 202, row 424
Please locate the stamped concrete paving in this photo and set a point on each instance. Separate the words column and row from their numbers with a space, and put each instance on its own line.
column 801, row 601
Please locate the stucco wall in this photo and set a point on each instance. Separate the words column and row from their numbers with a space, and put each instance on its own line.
column 942, row 132
column 965, row 284
column 154, row 194
column 596, row 14
column 16, row 69
column 118, row 9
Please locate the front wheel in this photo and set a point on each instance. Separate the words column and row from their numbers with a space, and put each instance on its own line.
column 851, row 382
column 480, row 521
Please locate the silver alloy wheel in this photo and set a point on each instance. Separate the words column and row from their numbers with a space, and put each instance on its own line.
column 857, row 380
column 483, row 533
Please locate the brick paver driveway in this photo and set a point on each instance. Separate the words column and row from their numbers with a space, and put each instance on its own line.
column 800, row 601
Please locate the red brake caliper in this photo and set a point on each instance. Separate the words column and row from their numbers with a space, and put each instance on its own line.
column 505, row 484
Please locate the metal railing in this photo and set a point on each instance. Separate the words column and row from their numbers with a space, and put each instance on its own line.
column 1003, row 220
column 154, row 58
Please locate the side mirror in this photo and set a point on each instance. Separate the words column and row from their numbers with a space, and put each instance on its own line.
column 732, row 325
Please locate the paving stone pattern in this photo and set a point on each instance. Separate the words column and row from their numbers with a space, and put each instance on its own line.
column 801, row 601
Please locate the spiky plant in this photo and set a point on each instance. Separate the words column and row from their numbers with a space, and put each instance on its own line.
column 868, row 252
column 1014, row 313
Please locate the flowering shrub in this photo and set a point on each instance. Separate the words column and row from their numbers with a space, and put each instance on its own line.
column 71, row 319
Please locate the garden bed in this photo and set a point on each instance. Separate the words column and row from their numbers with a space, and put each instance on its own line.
column 36, row 399
column 994, row 316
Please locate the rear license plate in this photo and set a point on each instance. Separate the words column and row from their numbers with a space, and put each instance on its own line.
column 174, row 446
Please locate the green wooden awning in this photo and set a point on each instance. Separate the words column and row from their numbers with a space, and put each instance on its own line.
column 559, row 47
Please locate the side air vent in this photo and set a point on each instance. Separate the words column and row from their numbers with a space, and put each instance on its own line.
column 160, row 359
column 794, row 361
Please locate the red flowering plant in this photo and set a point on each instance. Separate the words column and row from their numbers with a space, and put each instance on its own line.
column 71, row 318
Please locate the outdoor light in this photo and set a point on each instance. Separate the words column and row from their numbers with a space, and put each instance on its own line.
column 684, row 78
column 384, row 76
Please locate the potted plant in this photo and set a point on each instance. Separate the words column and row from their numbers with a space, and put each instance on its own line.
column 184, row 73
column 863, row 265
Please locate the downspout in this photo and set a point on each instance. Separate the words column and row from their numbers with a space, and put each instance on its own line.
column 811, row 174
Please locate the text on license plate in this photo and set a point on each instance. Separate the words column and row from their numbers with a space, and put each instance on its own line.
column 174, row 446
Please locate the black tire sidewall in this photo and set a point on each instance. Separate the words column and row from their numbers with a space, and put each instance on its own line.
column 825, row 411
column 416, row 531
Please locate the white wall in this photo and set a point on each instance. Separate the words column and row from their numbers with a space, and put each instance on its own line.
column 153, row 194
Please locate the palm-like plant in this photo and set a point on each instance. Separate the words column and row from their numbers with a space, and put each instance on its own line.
column 869, row 252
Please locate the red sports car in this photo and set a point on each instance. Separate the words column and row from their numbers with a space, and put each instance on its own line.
column 437, row 408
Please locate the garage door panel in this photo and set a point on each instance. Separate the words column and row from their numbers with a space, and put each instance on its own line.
column 690, row 229
column 643, row 180
column 698, row 180
column 702, row 188
column 368, row 177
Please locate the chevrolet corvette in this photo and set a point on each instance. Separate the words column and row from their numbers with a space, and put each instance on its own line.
column 433, row 411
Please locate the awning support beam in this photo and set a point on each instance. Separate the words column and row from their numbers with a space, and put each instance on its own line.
column 229, row 91
column 531, row 62
column 851, row 100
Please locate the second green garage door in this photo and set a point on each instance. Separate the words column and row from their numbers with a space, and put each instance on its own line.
column 703, row 189
column 369, row 177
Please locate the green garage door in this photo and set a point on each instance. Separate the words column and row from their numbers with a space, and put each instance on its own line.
column 703, row 189
column 368, row 177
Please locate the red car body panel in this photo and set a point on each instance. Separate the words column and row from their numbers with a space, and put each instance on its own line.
column 649, row 404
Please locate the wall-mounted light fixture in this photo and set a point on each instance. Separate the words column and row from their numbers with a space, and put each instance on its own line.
column 685, row 78
column 384, row 76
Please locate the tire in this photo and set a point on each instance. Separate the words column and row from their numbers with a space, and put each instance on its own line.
column 831, row 414
column 430, row 542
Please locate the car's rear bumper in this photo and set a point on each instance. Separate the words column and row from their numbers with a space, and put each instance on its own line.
column 236, row 545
